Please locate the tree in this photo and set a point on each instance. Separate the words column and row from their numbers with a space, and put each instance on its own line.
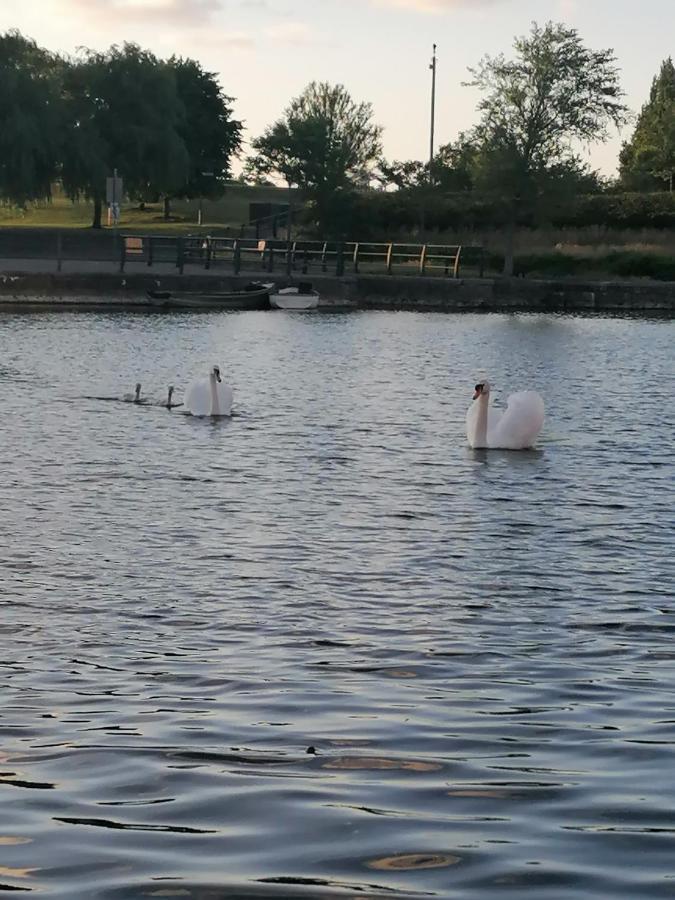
column 123, row 113
column 326, row 144
column 30, row 119
column 648, row 159
column 555, row 92
column 210, row 134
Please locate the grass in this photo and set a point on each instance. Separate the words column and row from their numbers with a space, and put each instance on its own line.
column 228, row 213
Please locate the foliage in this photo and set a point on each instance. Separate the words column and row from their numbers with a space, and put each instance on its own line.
column 210, row 135
column 30, row 119
column 326, row 144
column 123, row 112
column 648, row 159
column 554, row 92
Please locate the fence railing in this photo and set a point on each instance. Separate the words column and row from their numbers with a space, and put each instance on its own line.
column 339, row 258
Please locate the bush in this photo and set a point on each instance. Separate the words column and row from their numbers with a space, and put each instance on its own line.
column 558, row 265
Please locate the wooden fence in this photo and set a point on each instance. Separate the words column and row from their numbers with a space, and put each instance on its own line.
column 330, row 257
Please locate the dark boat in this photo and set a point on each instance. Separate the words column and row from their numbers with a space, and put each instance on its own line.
column 254, row 295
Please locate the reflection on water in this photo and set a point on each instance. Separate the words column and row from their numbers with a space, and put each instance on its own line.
column 323, row 649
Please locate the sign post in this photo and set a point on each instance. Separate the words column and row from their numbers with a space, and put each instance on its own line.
column 113, row 195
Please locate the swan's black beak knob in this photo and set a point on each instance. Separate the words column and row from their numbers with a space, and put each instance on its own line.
column 478, row 391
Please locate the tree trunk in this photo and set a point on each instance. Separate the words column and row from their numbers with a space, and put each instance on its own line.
column 97, row 213
column 509, row 242
column 167, row 208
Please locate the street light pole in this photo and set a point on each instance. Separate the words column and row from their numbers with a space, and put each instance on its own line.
column 432, row 66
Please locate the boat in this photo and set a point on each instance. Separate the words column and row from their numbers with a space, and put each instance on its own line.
column 300, row 297
column 254, row 295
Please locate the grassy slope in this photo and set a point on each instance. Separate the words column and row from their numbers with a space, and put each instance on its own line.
column 231, row 211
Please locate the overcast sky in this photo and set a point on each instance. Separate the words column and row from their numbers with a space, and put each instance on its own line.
column 266, row 51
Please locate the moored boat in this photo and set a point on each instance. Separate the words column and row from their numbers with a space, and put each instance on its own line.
column 254, row 295
column 300, row 297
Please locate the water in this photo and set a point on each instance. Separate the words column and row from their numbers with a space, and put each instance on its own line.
column 479, row 647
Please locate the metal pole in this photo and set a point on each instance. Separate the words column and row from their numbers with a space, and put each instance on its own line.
column 432, row 66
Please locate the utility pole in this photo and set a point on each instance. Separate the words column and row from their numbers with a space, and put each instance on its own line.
column 432, row 66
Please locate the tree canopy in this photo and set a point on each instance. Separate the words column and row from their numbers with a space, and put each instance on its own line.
column 165, row 125
column 30, row 119
column 535, row 107
column 326, row 144
column 648, row 159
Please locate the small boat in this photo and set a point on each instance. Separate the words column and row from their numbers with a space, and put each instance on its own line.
column 254, row 295
column 300, row 297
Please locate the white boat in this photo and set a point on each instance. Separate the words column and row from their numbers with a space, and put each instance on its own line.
column 300, row 297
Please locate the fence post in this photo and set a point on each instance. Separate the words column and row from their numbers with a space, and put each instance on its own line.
column 323, row 257
column 305, row 262
column 207, row 258
column 289, row 258
column 390, row 250
column 236, row 258
column 340, row 260
column 455, row 272
column 356, row 258
column 151, row 248
column 180, row 255
column 59, row 251
column 481, row 264
column 270, row 260
column 423, row 258
column 123, row 252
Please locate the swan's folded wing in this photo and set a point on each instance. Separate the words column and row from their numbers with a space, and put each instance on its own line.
column 520, row 425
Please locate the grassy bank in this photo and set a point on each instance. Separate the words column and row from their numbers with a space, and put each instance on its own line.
column 228, row 213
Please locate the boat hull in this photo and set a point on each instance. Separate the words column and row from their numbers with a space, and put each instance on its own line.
column 252, row 299
column 294, row 300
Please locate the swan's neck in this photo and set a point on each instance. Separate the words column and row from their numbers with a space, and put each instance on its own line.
column 215, row 407
column 480, row 432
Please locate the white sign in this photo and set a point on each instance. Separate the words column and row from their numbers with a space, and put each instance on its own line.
column 113, row 190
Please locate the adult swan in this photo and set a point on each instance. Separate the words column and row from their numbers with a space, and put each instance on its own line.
column 209, row 397
column 517, row 428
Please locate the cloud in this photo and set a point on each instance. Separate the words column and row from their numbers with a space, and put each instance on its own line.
column 158, row 12
column 291, row 33
column 434, row 6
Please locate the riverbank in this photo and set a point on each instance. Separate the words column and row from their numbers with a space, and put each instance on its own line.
column 99, row 286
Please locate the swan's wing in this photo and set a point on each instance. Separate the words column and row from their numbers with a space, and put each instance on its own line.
column 521, row 423
column 225, row 397
column 198, row 399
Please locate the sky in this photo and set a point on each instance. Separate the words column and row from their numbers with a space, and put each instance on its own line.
column 266, row 51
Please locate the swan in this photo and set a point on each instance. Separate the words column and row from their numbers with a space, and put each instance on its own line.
column 209, row 397
column 169, row 404
column 517, row 428
column 135, row 397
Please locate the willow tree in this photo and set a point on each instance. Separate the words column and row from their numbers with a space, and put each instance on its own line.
column 536, row 107
column 123, row 112
column 648, row 159
column 210, row 133
column 30, row 119
column 326, row 144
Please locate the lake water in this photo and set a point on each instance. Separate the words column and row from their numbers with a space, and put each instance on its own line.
column 478, row 647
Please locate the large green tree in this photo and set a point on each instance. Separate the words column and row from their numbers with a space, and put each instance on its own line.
column 124, row 113
column 327, row 145
column 648, row 159
column 30, row 119
column 210, row 133
column 554, row 93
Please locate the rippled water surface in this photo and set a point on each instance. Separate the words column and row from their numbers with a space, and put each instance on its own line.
column 323, row 649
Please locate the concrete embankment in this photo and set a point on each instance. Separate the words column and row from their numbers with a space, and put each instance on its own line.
column 105, row 289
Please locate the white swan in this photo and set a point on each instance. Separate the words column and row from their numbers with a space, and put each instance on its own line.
column 209, row 397
column 517, row 428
